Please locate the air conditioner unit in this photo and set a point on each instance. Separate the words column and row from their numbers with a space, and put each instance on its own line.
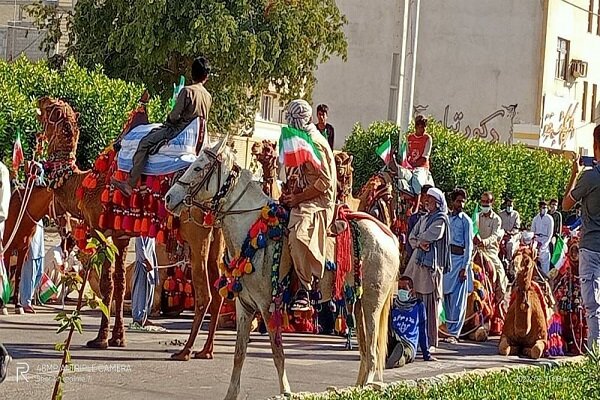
column 579, row 69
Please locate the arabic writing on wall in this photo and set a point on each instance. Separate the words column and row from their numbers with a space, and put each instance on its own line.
column 488, row 125
column 559, row 129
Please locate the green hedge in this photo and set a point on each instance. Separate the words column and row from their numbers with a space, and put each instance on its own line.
column 103, row 104
column 525, row 174
column 565, row 382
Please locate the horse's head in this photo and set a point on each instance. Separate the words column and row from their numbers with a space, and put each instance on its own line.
column 203, row 180
column 60, row 123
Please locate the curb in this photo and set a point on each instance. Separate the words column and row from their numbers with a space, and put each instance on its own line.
column 441, row 379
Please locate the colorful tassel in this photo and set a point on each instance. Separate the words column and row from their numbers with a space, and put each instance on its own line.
column 128, row 223
column 145, row 228
column 117, row 197
column 137, row 226
column 118, row 221
column 160, row 237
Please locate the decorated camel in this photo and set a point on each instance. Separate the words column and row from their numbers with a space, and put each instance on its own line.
column 85, row 194
column 253, row 227
column 266, row 154
column 526, row 325
column 345, row 180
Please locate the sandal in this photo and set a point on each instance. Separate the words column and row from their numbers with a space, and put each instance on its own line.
column 451, row 340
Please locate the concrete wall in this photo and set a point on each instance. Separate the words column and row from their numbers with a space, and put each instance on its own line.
column 563, row 125
column 359, row 90
column 476, row 60
column 478, row 64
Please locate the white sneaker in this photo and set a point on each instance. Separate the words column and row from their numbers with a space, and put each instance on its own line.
column 432, row 349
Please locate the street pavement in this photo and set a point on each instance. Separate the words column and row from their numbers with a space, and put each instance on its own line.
column 142, row 370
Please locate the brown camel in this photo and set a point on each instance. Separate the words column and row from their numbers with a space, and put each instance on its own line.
column 62, row 134
column 526, row 325
column 343, row 165
column 267, row 156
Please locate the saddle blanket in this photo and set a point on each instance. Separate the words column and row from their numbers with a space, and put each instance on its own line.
column 177, row 154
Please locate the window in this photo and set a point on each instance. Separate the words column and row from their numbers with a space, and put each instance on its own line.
column 591, row 16
column 594, row 88
column 266, row 107
column 584, row 101
column 562, row 59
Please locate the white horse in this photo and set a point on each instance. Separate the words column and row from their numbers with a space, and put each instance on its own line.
column 237, row 210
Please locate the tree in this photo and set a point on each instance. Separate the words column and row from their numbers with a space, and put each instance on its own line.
column 250, row 44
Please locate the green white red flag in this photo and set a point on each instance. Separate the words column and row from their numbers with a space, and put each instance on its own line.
column 559, row 255
column 5, row 288
column 385, row 151
column 475, row 219
column 47, row 289
column 17, row 155
column 297, row 147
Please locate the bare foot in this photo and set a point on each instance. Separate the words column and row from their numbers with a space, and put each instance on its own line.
column 203, row 355
column 183, row 355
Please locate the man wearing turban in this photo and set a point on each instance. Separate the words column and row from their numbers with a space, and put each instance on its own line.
column 312, row 203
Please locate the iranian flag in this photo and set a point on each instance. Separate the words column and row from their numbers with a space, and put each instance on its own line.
column 47, row 289
column 17, row 155
column 560, row 253
column 297, row 147
column 385, row 151
column 5, row 288
column 475, row 218
column 403, row 151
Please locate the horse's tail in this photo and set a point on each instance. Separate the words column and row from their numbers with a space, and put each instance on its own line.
column 382, row 335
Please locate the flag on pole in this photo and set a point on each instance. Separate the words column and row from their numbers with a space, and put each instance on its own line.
column 297, row 147
column 5, row 288
column 559, row 255
column 475, row 218
column 385, row 150
column 17, row 155
column 47, row 289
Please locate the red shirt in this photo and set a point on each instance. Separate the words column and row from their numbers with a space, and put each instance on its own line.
column 418, row 146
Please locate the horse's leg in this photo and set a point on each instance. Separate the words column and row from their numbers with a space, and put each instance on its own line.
column 18, row 268
column 362, row 345
column 278, row 359
column 244, row 318
column 118, row 333
column 200, row 248
column 106, row 291
column 214, row 257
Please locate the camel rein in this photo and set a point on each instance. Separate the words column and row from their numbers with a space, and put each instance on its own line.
column 27, row 195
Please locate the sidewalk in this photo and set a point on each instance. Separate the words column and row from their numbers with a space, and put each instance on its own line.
column 143, row 371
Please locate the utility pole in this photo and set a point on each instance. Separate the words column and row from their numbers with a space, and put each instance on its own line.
column 408, row 63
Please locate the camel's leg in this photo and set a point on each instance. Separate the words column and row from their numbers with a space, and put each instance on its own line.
column 200, row 250
column 362, row 346
column 278, row 359
column 503, row 347
column 244, row 317
column 106, row 291
column 118, row 333
column 214, row 257
column 536, row 351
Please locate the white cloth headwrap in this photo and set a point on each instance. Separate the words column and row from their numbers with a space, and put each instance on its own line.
column 299, row 114
column 440, row 200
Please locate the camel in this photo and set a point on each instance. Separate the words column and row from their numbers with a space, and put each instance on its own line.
column 239, row 203
column 267, row 156
column 343, row 165
column 526, row 325
column 61, row 132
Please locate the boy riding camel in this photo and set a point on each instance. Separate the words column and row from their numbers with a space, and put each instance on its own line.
column 193, row 102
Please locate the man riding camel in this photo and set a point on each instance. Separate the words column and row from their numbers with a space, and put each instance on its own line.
column 312, row 204
column 193, row 102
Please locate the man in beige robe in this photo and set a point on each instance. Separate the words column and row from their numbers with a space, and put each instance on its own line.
column 312, row 206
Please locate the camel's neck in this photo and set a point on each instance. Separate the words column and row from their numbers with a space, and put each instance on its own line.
column 523, row 324
column 66, row 194
column 236, row 224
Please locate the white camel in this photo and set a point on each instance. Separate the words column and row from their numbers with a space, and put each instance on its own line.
column 238, row 210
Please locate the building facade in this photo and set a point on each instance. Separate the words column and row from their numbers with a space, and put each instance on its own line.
column 508, row 71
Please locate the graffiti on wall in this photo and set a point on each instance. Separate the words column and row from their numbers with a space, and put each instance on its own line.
column 559, row 128
column 493, row 127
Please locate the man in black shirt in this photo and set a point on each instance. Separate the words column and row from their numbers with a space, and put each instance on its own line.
column 322, row 125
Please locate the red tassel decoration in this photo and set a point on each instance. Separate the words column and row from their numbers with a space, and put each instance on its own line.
column 128, row 223
column 151, row 204
column 156, row 185
column 137, row 226
column 150, row 181
column 145, row 228
column 117, row 197
column 102, row 221
column 118, row 221
column 162, row 211
column 105, row 198
column 79, row 193
column 153, row 230
column 160, row 237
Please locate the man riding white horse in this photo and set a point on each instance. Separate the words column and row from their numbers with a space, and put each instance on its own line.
column 312, row 204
